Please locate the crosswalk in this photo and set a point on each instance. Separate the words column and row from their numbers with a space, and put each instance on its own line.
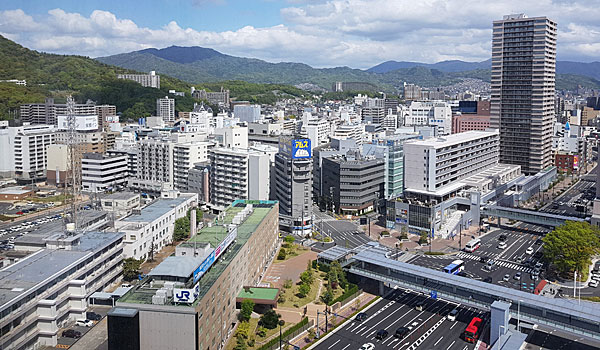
column 500, row 263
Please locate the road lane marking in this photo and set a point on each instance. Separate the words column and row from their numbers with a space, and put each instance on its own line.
column 439, row 340
column 344, row 348
column 448, row 348
column 332, row 345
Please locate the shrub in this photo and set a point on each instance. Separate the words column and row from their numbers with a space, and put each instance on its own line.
column 303, row 290
column 288, row 284
column 281, row 299
column 243, row 330
column 261, row 332
column 282, row 254
column 269, row 319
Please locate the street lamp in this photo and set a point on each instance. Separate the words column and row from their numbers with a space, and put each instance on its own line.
column 281, row 323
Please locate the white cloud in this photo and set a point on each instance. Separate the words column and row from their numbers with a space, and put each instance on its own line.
column 355, row 33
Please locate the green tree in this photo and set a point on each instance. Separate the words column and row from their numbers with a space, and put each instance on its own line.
column 289, row 239
column 327, row 297
column 131, row 268
column 282, row 254
column 246, row 309
column 303, row 290
column 270, row 319
column 306, row 277
column 182, row 229
column 243, row 330
column 570, row 247
column 423, row 239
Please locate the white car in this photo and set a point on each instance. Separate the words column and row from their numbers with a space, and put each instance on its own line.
column 85, row 323
column 501, row 245
column 529, row 250
column 452, row 315
column 367, row 346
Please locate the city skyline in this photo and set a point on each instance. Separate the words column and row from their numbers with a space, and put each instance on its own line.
column 357, row 34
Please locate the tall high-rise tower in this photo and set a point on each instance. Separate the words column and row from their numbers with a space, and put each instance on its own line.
column 523, row 89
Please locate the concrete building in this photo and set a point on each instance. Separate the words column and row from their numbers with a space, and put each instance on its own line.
column 293, row 185
column 148, row 230
column 147, row 80
column 316, row 129
column 355, row 183
column 432, row 164
column 353, row 131
column 25, row 151
column 523, row 90
column 373, row 115
column 199, row 182
column 58, row 165
column 207, row 273
column 46, row 113
column 411, row 92
column 470, row 122
column 232, row 136
column 185, row 155
column 82, row 122
column 437, row 114
column 219, row 98
column 104, row 111
column 247, row 113
column 165, row 109
column 49, row 289
column 238, row 173
column 101, row 173
column 120, row 204
column 154, row 165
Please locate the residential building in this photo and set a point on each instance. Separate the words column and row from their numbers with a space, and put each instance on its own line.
column 220, row 98
column 237, row 173
column 103, row 112
column 232, row 136
column 411, row 92
column 185, row 155
column 315, row 129
column 293, row 185
column 49, row 289
column 101, row 173
column 165, row 109
column 148, row 230
column 469, row 122
column 354, row 182
column 45, row 113
column 352, row 131
column 438, row 114
column 247, row 113
column 154, row 165
column 25, row 151
column 207, row 273
column 147, row 80
column 523, row 90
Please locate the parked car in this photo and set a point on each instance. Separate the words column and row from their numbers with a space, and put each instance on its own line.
column 367, row 346
column 419, row 306
column 93, row 316
column 401, row 332
column 488, row 279
column 361, row 316
column 71, row 333
column 452, row 315
column 506, row 278
column 381, row 334
column 85, row 323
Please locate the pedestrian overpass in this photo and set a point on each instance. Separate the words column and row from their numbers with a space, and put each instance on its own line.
column 581, row 318
column 529, row 216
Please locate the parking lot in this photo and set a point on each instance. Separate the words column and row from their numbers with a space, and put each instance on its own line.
column 9, row 234
column 508, row 262
column 66, row 342
column 429, row 328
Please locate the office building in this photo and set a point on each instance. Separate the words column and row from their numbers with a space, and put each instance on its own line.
column 148, row 230
column 247, row 113
column 101, row 173
column 199, row 182
column 438, row 114
column 232, row 136
column 293, row 185
column 49, row 289
column 350, row 131
column 470, row 122
column 373, row 115
column 188, row 301
column 354, row 182
column 103, row 112
column 165, row 109
column 120, row 204
column 82, row 122
column 25, row 151
column 147, row 80
column 432, row 164
column 523, row 89
column 46, row 113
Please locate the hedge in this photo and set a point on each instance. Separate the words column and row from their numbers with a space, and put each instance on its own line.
column 350, row 291
column 322, row 267
column 287, row 332
column 435, row 253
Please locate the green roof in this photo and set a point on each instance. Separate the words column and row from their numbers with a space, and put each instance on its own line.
column 259, row 293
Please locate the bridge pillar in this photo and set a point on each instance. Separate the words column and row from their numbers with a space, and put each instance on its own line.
column 381, row 288
column 475, row 208
column 500, row 312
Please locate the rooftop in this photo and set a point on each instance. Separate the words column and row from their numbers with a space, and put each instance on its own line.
column 120, row 195
column 14, row 190
column 157, row 208
column 258, row 293
column 445, row 141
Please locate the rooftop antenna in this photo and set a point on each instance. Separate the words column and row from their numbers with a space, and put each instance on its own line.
column 71, row 161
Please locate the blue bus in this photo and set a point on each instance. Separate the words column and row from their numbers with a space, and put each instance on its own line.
column 455, row 267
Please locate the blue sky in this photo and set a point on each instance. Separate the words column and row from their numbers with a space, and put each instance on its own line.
column 322, row 33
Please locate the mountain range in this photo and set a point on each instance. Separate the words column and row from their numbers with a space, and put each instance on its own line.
column 198, row 64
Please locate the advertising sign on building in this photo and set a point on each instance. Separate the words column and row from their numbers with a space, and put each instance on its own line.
column 575, row 162
column 206, row 264
column 184, row 295
column 226, row 242
column 301, row 149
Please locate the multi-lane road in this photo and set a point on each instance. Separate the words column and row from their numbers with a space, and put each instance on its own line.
column 508, row 261
column 581, row 194
column 429, row 328
column 344, row 233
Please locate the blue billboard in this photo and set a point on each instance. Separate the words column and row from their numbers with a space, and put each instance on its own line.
column 206, row 264
column 301, row 149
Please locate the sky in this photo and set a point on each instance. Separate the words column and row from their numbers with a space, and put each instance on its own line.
column 321, row 33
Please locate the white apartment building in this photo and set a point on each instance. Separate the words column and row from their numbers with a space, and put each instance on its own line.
column 151, row 228
column 165, row 109
column 185, row 155
column 316, row 129
column 432, row 164
column 238, row 173
column 25, row 150
column 48, row 289
column 430, row 113
column 147, row 80
column 355, row 132
column 154, row 165
column 232, row 136
column 100, row 172
column 264, row 128
column 201, row 120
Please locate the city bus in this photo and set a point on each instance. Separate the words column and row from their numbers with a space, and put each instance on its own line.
column 472, row 330
column 473, row 245
column 455, row 267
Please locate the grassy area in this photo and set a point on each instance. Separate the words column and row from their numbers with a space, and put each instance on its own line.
column 292, row 300
column 292, row 251
column 259, row 341
column 58, row 198
column 591, row 298
column 6, row 218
